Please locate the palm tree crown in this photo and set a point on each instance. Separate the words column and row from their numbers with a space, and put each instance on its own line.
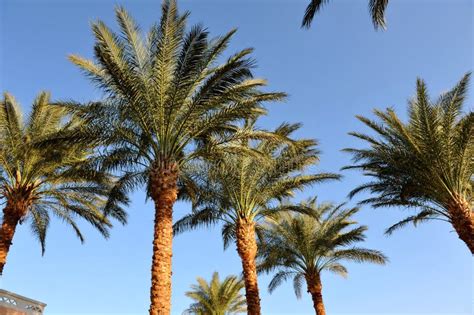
column 426, row 163
column 37, row 180
column 240, row 190
column 302, row 246
column 167, row 99
column 376, row 8
column 235, row 187
column 216, row 297
column 166, row 93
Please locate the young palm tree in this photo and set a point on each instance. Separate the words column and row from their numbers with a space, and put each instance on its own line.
column 302, row 246
column 239, row 190
column 426, row 163
column 38, row 181
column 216, row 297
column 376, row 8
column 166, row 97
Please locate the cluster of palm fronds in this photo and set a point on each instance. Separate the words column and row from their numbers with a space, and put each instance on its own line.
column 39, row 179
column 182, row 125
column 425, row 164
column 216, row 297
column 376, row 7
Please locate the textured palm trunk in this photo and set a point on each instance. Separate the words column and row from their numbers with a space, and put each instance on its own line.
column 247, row 249
column 462, row 220
column 164, row 191
column 315, row 288
column 12, row 214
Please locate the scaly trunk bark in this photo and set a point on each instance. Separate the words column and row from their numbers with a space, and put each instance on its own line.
column 315, row 288
column 462, row 219
column 247, row 249
column 12, row 213
column 164, row 192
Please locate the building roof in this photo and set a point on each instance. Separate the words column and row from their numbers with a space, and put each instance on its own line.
column 20, row 304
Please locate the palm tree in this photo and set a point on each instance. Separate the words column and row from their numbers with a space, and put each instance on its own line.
column 166, row 95
column 38, row 181
column 426, row 163
column 216, row 297
column 239, row 190
column 302, row 246
column 376, row 8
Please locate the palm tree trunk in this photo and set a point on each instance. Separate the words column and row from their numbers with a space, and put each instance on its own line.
column 247, row 249
column 462, row 219
column 315, row 288
column 164, row 191
column 11, row 218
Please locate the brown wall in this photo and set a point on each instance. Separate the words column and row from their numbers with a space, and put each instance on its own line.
column 9, row 311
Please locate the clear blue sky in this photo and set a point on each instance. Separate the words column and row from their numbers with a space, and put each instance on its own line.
column 339, row 68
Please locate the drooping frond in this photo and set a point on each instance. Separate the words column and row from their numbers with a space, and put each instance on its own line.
column 313, row 7
column 278, row 279
column 377, row 11
column 422, row 216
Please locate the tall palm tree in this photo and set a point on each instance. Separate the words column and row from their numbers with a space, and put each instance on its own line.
column 376, row 7
column 426, row 163
column 38, row 181
column 166, row 95
column 216, row 297
column 302, row 246
column 239, row 190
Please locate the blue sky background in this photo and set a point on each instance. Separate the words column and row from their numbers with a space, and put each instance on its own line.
column 339, row 68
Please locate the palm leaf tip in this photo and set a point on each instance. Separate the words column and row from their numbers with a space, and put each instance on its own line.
column 311, row 10
column 377, row 10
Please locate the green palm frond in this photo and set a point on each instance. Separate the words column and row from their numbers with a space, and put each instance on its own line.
column 377, row 11
column 278, row 279
column 422, row 216
column 216, row 297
